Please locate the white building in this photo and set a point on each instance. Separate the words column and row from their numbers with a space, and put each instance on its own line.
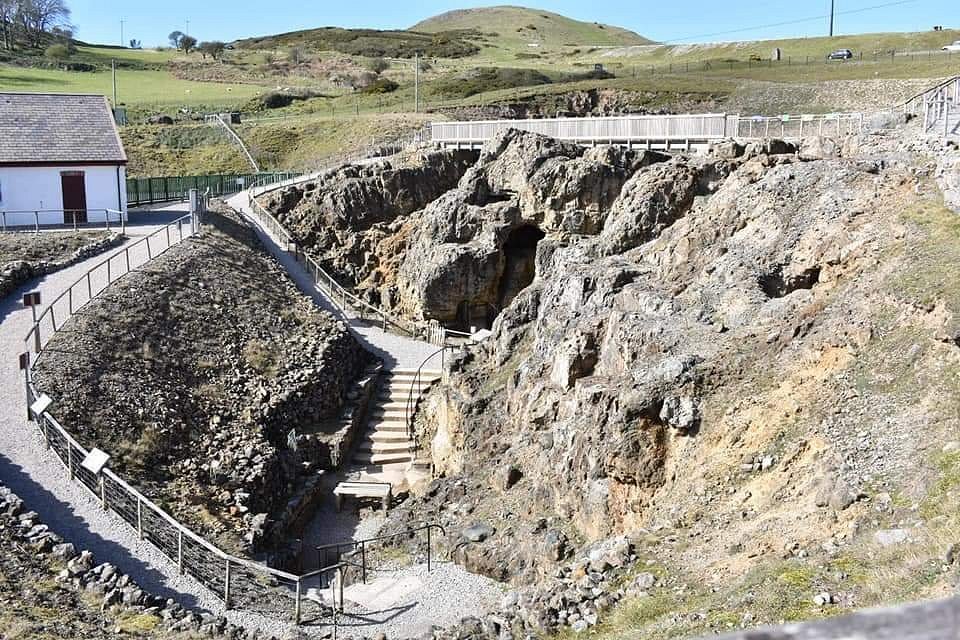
column 61, row 160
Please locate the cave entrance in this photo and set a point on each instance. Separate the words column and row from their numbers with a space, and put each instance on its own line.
column 519, row 269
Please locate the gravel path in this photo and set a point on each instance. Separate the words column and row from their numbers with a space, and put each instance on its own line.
column 447, row 594
column 397, row 352
column 41, row 481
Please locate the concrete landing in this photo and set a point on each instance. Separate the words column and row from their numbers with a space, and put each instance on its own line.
column 382, row 593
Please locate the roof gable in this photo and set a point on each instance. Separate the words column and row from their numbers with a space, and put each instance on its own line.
column 47, row 128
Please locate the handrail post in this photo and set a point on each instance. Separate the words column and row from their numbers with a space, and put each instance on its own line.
column 36, row 220
column 70, row 460
column 127, row 254
column 103, row 492
column 363, row 560
column 139, row 518
column 296, row 606
column 180, row 551
column 429, row 563
column 226, row 587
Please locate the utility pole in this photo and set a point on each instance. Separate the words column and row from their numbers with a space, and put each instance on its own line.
column 123, row 43
column 188, row 27
column 832, row 7
column 113, row 67
column 416, row 84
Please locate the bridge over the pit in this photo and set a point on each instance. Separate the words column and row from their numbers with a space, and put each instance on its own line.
column 688, row 132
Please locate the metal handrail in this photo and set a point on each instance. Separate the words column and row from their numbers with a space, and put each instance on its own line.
column 75, row 224
column 908, row 106
column 361, row 545
column 131, row 505
column 339, row 296
column 412, row 401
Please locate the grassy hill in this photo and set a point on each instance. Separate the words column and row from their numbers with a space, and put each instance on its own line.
column 517, row 27
column 369, row 42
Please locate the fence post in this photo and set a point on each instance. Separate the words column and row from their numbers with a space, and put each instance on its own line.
column 103, row 492
column 127, row 254
column 46, row 432
column 109, row 275
column 296, row 606
column 363, row 560
column 70, row 460
column 429, row 563
column 139, row 518
column 180, row 551
column 36, row 220
column 226, row 587
column 89, row 288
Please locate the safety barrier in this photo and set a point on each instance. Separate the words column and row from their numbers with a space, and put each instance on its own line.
column 238, row 582
column 35, row 220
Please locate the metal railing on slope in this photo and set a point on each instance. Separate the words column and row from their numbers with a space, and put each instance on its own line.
column 790, row 126
column 937, row 105
column 238, row 582
column 416, row 390
column 217, row 119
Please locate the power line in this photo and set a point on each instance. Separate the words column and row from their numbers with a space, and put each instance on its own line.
column 789, row 22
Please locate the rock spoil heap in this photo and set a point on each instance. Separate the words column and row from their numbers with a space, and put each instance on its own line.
column 197, row 376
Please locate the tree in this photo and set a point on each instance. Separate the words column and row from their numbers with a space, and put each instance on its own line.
column 135, row 44
column 188, row 43
column 8, row 14
column 174, row 38
column 378, row 65
column 41, row 16
column 214, row 49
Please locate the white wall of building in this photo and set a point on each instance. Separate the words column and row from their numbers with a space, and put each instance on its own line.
column 24, row 190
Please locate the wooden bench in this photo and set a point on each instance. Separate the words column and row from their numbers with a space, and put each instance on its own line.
column 357, row 489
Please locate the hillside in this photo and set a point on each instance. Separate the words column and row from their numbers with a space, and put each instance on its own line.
column 368, row 42
column 517, row 27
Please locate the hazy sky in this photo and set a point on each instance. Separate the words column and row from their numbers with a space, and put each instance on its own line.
column 677, row 20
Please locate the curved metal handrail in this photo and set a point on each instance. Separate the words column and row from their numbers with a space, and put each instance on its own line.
column 412, row 401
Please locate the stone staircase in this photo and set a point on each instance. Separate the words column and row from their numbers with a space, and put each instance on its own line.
column 386, row 442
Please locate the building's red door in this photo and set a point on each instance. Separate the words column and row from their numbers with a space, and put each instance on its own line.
column 74, row 197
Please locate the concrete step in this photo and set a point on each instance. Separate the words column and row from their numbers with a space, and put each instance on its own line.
column 382, row 458
column 401, row 448
column 412, row 373
column 387, row 427
column 380, row 417
column 386, row 436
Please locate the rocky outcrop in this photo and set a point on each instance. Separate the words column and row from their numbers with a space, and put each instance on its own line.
column 610, row 385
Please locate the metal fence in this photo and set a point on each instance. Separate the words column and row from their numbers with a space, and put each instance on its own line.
column 630, row 130
column 34, row 221
column 238, row 582
column 939, row 105
column 796, row 126
column 343, row 298
column 708, row 126
column 143, row 191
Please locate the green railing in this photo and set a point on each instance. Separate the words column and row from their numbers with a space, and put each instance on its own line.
column 142, row 191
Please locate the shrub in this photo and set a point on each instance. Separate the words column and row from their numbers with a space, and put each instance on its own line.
column 57, row 52
column 381, row 85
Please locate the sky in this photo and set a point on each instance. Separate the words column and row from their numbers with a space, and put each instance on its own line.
column 676, row 21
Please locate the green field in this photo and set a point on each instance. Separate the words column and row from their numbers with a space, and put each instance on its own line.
column 138, row 88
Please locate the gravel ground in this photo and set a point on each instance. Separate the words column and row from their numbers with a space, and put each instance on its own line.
column 448, row 594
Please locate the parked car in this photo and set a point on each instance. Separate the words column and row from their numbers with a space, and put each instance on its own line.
column 952, row 47
column 840, row 54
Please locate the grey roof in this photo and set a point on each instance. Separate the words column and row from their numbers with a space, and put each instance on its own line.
column 57, row 128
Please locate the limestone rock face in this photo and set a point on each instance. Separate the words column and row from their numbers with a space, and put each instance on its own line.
column 662, row 292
